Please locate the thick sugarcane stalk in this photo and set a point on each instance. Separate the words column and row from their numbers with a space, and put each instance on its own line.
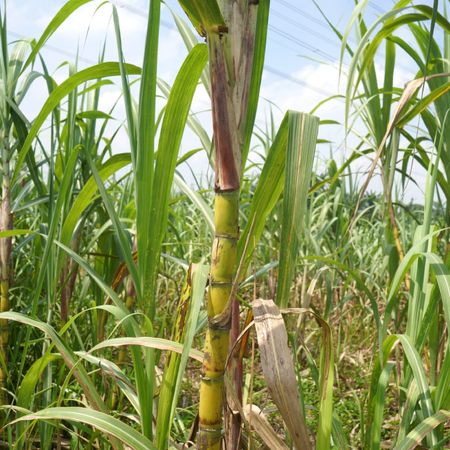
column 217, row 336
column 231, row 59
column 5, row 261
column 224, row 250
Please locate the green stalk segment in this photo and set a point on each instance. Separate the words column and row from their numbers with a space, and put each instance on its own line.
column 5, row 261
column 223, row 268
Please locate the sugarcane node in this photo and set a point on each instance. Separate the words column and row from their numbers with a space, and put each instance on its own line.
column 219, row 379
column 217, row 327
column 221, row 321
column 220, row 283
column 216, row 432
column 225, row 236
column 218, row 190
column 227, row 193
column 221, row 29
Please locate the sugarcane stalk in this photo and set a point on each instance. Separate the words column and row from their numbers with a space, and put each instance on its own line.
column 217, row 336
column 231, row 59
column 68, row 278
column 130, row 301
column 5, row 261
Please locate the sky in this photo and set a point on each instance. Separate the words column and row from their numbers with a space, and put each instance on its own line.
column 301, row 69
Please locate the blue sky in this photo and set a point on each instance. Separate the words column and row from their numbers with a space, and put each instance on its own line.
column 301, row 62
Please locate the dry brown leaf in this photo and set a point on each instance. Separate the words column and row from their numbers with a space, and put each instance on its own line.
column 258, row 421
column 278, row 368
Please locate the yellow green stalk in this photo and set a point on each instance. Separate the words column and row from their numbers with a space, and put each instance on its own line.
column 5, row 261
column 223, row 268
column 231, row 58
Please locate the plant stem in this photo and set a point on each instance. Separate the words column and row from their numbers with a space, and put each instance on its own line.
column 217, row 336
column 231, row 57
column 5, row 260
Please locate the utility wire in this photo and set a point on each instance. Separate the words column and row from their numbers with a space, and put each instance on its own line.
column 296, row 80
column 377, row 8
column 321, row 36
column 303, row 14
column 268, row 68
column 56, row 49
column 283, row 34
column 299, row 25
column 301, row 43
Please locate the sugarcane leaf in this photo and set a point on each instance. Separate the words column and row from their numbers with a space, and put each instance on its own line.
column 190, row 40
column 261, row 425
column 205, row 16
column 93, row 114
column 124, row 242
column 434, row 95
column 442, row 395
column 267, row 192
column 259, row 52
column 171, row 369
column 126, row 91
column 59, row 18
column 106, row 69
column 415, row 362
column 415, row 437
column 99, row 420
column 89, row 192
column 375, row 425
column 197, row 200
column 15, row 232
column 172, row 128
column 184, row 331
column 302, row 137
column 116, row 374
column 64, row 187
column 148, row 342
column 32, row 377
column 408, row 92
column 325, row 381
column 71, row 361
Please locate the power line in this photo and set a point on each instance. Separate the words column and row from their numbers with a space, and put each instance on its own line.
column 296, row 23
column 296, row 80
column 57, row 49
column 285, row 35
column 268, row 68
column 300, row 42
column 303, row 13
column 141, row 13
column 374, row 6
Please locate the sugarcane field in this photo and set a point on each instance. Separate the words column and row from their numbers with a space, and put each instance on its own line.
column 224, row 224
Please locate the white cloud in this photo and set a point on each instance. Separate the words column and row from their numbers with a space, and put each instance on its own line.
column 97, row 18
column 315, row 83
